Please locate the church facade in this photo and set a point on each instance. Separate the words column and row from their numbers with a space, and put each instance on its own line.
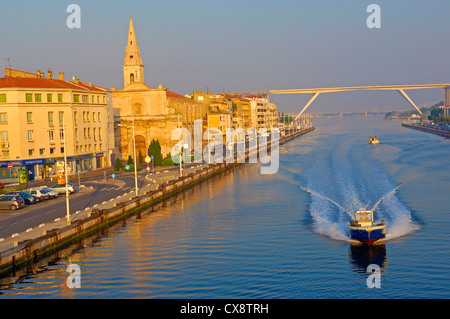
column 152, row 113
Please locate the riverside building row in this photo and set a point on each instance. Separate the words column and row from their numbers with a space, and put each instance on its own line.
column 43, row 119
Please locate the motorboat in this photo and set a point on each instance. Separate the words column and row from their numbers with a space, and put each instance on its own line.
column 373, row 140
column 364, row 230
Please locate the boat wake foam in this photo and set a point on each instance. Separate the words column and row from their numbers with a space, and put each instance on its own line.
column 331, row 218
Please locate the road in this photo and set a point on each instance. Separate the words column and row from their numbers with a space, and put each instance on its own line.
column 95, row 191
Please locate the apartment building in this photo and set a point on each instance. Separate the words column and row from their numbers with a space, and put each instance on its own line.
column 43, row 119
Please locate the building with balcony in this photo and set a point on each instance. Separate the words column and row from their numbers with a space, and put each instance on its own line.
column 41, row 119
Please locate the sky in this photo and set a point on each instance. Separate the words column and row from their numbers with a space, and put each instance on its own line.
column 241, row 45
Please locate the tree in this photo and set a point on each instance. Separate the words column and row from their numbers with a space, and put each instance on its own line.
column 130, row 160
column 118, row 164
column 436, row 114
column 141, row 157
column 154, row 149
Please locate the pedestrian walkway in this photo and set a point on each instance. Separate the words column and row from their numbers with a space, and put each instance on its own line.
column 151, row 183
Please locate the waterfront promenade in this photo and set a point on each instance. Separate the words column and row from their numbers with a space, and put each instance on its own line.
column 441, row 132
column 20, row 248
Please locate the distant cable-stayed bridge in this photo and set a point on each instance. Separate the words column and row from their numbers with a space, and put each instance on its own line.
column 316, row 91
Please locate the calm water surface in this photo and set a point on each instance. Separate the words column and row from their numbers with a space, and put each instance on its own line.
column 247, row 235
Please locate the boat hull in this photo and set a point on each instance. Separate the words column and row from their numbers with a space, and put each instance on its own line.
column 367, row 235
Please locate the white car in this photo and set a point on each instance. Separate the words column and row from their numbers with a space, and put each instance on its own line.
column 37, row 192
column 51, row 193
column 61, row 188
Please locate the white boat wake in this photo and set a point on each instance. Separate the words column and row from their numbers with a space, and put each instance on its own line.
column 383, row 197
column 328, row 222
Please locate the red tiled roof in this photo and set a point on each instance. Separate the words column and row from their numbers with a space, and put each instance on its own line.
column 45, row 83
column 175, row 95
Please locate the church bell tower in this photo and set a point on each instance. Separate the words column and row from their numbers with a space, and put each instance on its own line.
column 133, row 69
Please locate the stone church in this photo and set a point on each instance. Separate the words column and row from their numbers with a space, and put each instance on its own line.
column 155, row 112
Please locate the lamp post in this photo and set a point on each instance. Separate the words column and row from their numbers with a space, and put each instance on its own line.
column 134, row 154
column 65, row 173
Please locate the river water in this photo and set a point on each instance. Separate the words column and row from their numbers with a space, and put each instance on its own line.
column 282, row 236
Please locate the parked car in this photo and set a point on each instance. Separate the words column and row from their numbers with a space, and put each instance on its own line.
column 11, row 202
column 29, row 199
column 61, row 188
column 38, row 193
column 50, row 192
column 37, row 199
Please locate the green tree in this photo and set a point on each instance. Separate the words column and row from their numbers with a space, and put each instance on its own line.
column 118, row 164
column 167, row 161
column 436, row 114
column 130, row 160
column 131, row 169
column 154, row 149
column 234, row 108
column 141, row 157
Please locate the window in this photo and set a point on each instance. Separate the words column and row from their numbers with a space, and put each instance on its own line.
column 5, row 137
column 84, row 116
column 38, row 97
column 98, row 99
column 30, row 152
column 89, row 132
column 60, row 98
column 76, row 134
column 61, row 118
column 3, row 97
column 75, row 119
column 88, row 117
column 85, row 136
column 41, row 151
column 76, row 98
column 49, row 97
column 30, row 135
column 51, row 136
column 29, row 117
column 61, row 135
column 3, row 118
column 29, row 97
column 84, row 98
column 92, row 100
column 50, row 118
column 99, row 117
column 99, row 133
column 95, row 134
column 62, row 150
column 52, row 150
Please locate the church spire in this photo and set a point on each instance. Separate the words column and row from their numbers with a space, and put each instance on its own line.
column 133, row 69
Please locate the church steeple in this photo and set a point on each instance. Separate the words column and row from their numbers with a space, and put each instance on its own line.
column 133, row 69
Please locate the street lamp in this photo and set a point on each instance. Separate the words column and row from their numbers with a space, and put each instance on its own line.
column 134, row 156
column 65, row 173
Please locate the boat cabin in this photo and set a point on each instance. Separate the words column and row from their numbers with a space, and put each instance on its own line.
column 364, row 218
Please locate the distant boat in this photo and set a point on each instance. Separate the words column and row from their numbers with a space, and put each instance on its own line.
column 373, row 140
column 363, row 229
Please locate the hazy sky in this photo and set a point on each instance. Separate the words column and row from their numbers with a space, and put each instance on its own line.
column 241, row 45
